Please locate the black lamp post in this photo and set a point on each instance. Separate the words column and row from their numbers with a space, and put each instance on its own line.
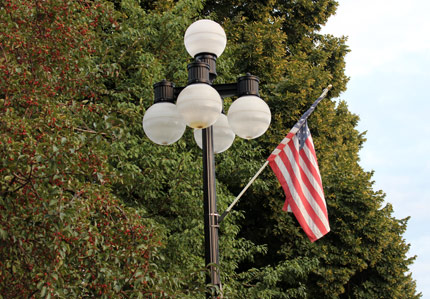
column 199, row 105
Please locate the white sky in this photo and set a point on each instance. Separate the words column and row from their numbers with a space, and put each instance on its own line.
column 389, row 70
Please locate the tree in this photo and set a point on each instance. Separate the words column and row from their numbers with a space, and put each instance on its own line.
column 62, row 231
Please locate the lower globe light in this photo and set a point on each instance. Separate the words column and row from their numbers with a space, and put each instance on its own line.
column 199, row 105
column 163, row 124
column 249, row 117
column 223, row 136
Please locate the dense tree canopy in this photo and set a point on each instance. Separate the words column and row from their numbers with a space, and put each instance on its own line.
column 89, row 207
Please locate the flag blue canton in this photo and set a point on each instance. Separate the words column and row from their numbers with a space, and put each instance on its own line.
column 303, row 134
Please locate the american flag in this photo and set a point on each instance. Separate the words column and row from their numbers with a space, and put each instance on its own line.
column 294, row 163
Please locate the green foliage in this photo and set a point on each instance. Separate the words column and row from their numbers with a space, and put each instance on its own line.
column 63, row 233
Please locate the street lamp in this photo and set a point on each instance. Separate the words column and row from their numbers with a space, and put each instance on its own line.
column 199, row 105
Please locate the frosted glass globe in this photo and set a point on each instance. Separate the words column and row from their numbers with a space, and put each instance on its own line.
column 199, row 105
column 163, row 124
column 249, row 117
column 223, row 136
column 205, row 36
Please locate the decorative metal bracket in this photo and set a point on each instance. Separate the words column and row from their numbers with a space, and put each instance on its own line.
column 216, row 217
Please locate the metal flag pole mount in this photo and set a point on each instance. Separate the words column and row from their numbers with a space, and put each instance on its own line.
column 293, row 130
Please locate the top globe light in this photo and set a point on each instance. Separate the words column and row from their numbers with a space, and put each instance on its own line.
column 205, row 36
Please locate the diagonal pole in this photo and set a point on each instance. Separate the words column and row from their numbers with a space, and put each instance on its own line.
column 242, row 192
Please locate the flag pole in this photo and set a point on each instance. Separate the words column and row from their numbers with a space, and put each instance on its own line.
column 294, row 130
column 242, row 192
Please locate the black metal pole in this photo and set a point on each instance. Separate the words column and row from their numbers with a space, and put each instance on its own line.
column 210, row 210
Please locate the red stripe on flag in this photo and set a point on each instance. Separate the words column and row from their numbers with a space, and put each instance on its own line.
column 280, row 147
column 290, row 135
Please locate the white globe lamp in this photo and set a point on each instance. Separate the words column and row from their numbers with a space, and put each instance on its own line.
column 223, row 136
column 199, row 105
column 163, row 124
column 249, row 117
column 205, row 36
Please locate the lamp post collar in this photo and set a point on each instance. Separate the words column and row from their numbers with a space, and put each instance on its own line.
column 198, row 72
column 164, row 92
column 248, row 85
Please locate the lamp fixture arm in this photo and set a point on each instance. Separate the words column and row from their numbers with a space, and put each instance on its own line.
column 246, row 85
